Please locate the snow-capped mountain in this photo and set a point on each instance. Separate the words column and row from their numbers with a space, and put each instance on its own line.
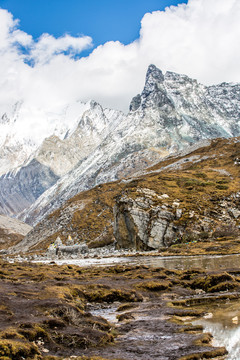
column 30, row 164
column 28, row 133
column 172, row 112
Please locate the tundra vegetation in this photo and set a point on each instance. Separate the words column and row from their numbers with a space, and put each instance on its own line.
column 53, row 312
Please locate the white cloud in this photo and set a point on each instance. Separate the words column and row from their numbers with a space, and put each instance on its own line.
column 47, row 47
column 200, row 39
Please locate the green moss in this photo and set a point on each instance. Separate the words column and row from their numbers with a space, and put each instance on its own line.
column 16, row 350
column 111, row 295
column 221, row 187
column 11, row 333
column 126, row 306
column 214, row 282
column 201, row 175
column 208, row 354
column 205, row 339
column 224, row 286
column 191, row 329
column 223, row 181
column 187, row 312
column 154, row 285
column 33, row 333
column 193, row 183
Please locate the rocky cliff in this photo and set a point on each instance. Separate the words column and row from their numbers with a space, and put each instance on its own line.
column 197, row 197
column 142, row 224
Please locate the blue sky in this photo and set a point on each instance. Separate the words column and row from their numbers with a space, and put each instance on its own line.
column 103, row 20
column 53, row 52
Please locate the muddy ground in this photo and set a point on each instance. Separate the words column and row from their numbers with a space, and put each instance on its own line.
column 57, row 312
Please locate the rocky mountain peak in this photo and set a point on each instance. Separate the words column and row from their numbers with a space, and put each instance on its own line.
column 179, row 78
column 154, row 93
column 154, row 75
column 154, row 80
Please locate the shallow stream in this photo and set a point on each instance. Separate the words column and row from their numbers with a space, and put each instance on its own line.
column 222, row 320
column 212, row 262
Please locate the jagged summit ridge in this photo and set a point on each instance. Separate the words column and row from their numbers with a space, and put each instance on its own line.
column 154, row 78
column 186, row 95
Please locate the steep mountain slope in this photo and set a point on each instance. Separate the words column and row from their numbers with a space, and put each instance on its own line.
column 20, row 190
column 23, row 129
column 61, row 155
column 193, row 195
column 79, row 129
column 12, row 231
column 172, row 113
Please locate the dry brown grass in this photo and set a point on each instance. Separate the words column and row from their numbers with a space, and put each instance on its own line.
column 199, row 187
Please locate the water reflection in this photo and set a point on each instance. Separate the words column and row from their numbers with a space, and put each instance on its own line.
column 175, row 262
column 188, row 262
column 223, row 322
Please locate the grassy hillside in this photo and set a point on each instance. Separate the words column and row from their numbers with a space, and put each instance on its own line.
column 204, row 183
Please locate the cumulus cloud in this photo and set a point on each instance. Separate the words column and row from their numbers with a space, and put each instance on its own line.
column 48, row 46
column 199, row 38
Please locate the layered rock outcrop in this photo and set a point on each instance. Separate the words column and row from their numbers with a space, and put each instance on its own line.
column 141, row 224
column 146, row 222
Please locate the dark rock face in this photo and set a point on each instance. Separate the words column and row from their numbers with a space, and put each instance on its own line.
column 154, row 93
column 140, row 225
column 135, row 103
column 154, row 75
column 18, row 191
column 146, row 221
